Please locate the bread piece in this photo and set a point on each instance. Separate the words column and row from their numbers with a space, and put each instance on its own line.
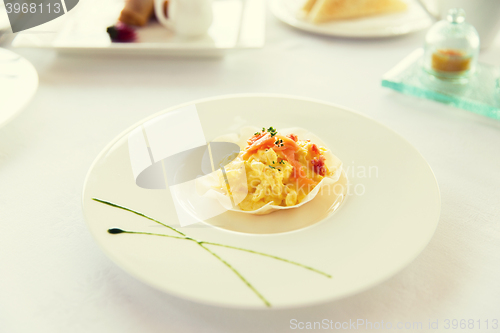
column 308, row 5
column 327, row 10
column 137, row 12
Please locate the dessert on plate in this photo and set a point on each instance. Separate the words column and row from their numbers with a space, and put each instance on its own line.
column 319, row 11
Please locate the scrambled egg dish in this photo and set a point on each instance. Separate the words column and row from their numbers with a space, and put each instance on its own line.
column 280, row 169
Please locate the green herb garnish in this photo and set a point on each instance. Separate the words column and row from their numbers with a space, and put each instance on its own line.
column 272, row 131
column 203, row 244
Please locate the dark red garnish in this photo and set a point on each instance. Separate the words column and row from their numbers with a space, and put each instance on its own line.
column 121, row 33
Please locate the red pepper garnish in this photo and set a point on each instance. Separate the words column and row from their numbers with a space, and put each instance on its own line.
column 314, row 149
column 318, row 164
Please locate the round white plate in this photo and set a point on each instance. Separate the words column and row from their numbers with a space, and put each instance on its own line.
column 18, row 84
column 388, row 218
column 4, row 19
column 413, row 19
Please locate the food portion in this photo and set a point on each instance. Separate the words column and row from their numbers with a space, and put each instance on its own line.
column 137, row 12
column 319, row 11
column 281, row 169
column 450, row 61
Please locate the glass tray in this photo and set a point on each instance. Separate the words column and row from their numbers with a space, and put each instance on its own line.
column 480, row 95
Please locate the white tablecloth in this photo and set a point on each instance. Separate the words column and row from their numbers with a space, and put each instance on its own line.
column 53, row 276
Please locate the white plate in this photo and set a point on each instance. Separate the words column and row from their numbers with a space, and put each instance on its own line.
column 413, row 19
column 370, row 238
column 237, row 24
column 4, row 19
column 18, row 84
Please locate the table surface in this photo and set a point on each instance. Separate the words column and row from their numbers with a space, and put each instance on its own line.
column 54, row 277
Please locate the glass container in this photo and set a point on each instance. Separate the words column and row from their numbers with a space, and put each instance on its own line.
column 451, row 48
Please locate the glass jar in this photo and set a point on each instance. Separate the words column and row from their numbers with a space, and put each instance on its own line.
column 451, row 47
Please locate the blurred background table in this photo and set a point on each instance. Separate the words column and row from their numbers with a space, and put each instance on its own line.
column 54, row 278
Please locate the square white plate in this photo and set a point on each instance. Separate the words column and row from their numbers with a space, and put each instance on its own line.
column 237, row 24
